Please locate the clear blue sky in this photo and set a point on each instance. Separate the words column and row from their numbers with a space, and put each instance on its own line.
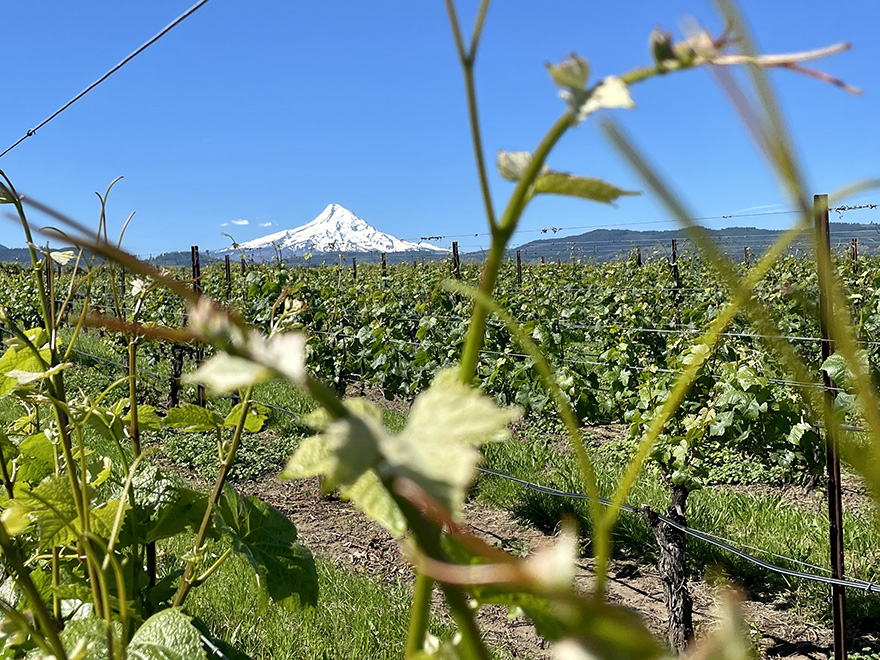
column 269, row 111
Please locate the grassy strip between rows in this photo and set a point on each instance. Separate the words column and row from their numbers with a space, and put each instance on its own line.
column 357, row 616
column 765, row 522
column 759, row 521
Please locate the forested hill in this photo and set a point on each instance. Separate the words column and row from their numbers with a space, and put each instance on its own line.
column 603, row 244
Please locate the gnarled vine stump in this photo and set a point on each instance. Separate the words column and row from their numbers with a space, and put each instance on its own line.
column 673, row 570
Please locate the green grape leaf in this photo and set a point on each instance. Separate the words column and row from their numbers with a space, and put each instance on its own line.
column 512, row 164
column 19, row 361
column 256, row 416
column 24, row 377
column 54, row 510
column 284, row 354
column 37, row 336
column 837, row 369
column 167, row 635
column 357, row 482
column 15, row 518
column 572, row 73
column 370, row 496
column 165, row 507
column 99, row 471
column 597, row 190
column 89, row 636
column 63, row 257
column 342, row 453
column 37, row 458
column 148, row 420
column 192, row 419
column 227, row 373
column 266, row 538
column 437, row 448
column 103, row 517
column 611, row 92
column 662, row 47
column 844, row 374
column 107, row 423
column 571, row 77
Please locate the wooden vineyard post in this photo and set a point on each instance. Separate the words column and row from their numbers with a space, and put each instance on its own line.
column 855, row 256
column 177, row 355
column 542, row 261
column 197, row 287
column 354, row 269
column 384, row 268
column 832, row 447
column 638, row 256
column 676, row 286
column 746, row 259
column 456, row 262
column 196, row 269
column 243, row 266
column 176, row 373
column 228, row 279
column 518, row 269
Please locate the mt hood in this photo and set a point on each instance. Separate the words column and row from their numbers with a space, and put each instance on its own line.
column 336, row 229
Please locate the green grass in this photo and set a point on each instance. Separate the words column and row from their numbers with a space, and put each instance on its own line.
column 760, row 521
column 357, row 616
column 260, row 455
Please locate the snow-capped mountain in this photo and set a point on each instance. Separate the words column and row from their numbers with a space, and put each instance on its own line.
column 336, row 229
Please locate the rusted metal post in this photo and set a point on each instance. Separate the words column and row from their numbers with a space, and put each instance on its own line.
column 832, row 446
column 518, row 269
column 456, row 262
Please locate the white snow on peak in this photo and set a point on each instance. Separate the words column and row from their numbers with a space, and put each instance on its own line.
column 336, row 229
